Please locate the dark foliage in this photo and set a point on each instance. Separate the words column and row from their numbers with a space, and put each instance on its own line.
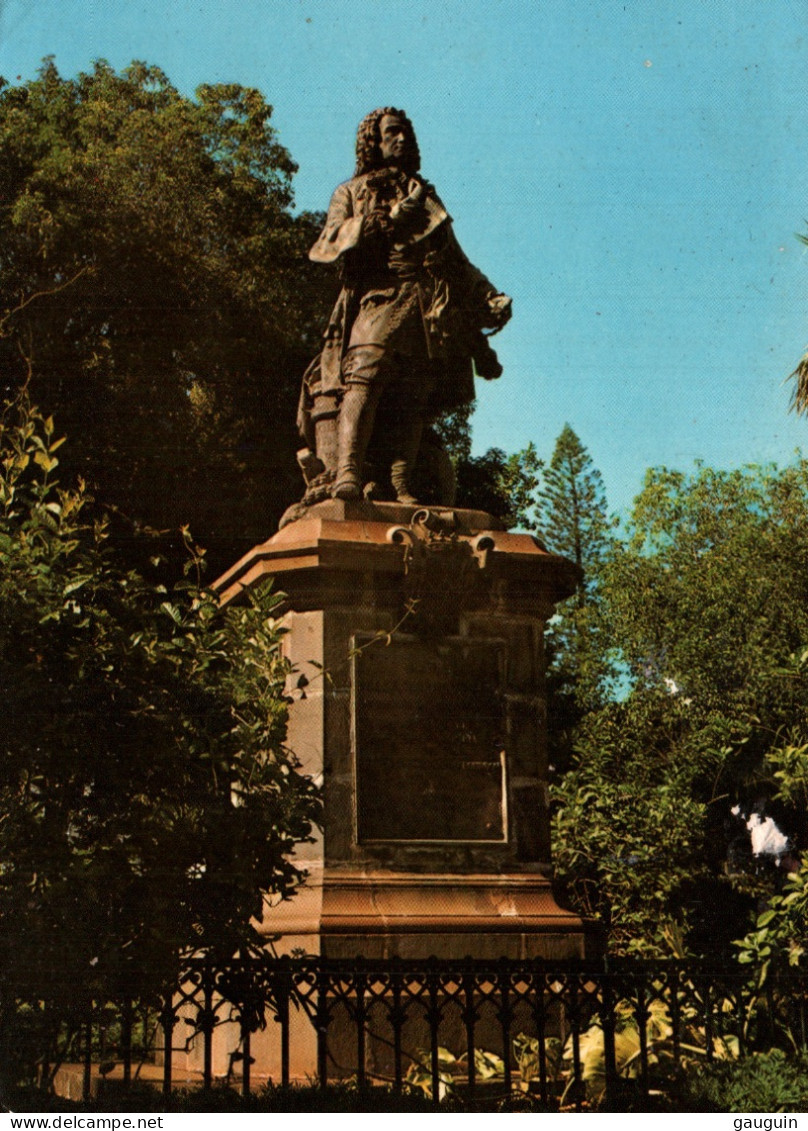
column 148, row 799
column 158, row 295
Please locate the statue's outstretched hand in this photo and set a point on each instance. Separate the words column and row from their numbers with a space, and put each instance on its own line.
column 500, row 310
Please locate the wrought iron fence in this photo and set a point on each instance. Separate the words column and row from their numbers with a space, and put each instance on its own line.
column 551, row 1028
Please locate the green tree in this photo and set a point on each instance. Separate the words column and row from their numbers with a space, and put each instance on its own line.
column 630, row 825
column 503, row 485
column 148, row 799
column 704, row 603
column 572, row 520
column 709, row 589
column 158, row 294
column 780, row 931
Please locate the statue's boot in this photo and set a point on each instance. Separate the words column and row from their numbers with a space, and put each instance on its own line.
column 356, row 416
column 400, row 469
column 399, row 477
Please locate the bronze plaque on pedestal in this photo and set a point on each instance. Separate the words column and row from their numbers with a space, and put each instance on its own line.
column 429, row 738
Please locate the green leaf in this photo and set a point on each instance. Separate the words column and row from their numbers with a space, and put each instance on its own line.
column 46, row 462
column 172, row 611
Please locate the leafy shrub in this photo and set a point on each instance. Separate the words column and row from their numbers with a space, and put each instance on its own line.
column 764, row 1082
column 309, row 1098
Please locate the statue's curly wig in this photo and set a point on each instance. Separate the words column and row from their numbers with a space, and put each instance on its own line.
column 367, row 142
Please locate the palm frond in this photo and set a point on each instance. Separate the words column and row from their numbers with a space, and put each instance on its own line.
column 799, row 393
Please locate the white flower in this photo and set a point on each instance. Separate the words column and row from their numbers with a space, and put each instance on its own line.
column 674, row 689
column 767, row 838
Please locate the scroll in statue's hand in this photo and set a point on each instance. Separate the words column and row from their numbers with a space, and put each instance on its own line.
column 411, row 212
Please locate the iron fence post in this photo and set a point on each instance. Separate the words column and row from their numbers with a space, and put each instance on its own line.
column 608, row 1025
column 397, row 1015
column 321, row 1022
column 126, row 1041
column 86, row 1082
column 469, row 1018
column 168, row 1019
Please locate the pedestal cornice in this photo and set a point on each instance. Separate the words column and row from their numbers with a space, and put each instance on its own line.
column 350, row 539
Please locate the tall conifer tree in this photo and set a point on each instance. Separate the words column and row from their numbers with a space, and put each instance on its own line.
column 573, row 518
column 573, row 522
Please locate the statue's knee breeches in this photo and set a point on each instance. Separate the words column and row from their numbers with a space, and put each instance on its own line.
column 367, row 365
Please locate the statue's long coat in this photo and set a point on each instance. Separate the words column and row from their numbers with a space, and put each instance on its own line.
column 435, row 310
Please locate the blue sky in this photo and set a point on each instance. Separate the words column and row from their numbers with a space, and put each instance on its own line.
column 632, row 173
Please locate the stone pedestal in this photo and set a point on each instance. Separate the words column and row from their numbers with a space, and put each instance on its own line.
column 418, row 634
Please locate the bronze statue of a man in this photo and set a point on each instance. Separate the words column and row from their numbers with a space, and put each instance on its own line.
column 407, row 331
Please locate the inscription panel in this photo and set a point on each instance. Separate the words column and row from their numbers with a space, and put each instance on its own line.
column 429, row 738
